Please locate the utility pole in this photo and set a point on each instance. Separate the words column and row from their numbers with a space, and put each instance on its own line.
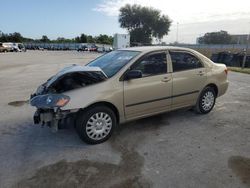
column 245, row 52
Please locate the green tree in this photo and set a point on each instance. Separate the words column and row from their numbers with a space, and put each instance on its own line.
column 3, row 37
column 77, row 39
column 104, row 39
column 83, row 38
column 45, row 39
column 91, row 39
column 17, row 37
column 28, row 40
column 220, row 37
column 11, row 37
column 143, row 23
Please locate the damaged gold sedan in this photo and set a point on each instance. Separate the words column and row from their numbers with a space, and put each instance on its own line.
column 128, row 84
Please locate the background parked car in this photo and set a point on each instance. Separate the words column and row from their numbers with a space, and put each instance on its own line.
column 8, row 47
column 104, row 49
column 12, row 47
column 82, row 48
column 93, row 48
column 3, row 48
column 19, row 47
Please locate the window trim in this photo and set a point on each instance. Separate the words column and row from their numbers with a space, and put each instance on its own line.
column 142, row 57
column 188, row 52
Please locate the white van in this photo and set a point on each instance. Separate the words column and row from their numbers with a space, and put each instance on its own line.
column 14, row 47
column 9, row 46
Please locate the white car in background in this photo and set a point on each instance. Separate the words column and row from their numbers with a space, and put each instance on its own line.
column 9, row 46
column 19, row 47
column 14, row 47
column 104, row 49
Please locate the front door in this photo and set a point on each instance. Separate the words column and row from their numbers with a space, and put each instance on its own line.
column 151, row 93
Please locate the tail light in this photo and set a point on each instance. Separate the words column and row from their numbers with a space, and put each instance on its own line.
column 226, row 71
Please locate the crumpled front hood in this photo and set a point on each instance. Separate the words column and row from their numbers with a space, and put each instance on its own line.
column 72, row 69
column 72, row 77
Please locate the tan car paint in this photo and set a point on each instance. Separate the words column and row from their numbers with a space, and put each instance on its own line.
column 121, row 94
column 147, row 89
column 188, row 82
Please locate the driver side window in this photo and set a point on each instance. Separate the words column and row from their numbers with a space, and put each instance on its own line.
column 152, row 64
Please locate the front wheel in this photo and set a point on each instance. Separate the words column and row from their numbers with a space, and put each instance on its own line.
column 96, row 125
column 206, row 101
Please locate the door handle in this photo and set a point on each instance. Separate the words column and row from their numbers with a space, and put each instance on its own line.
column 201, row 73
column 166, row 79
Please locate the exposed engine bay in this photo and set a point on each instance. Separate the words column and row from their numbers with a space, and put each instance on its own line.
column 49, row 97
column 70, row 78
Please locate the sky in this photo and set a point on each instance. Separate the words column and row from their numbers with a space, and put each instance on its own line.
column 70, row 18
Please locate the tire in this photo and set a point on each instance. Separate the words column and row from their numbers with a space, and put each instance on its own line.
column 96, row 124
column 206, row 101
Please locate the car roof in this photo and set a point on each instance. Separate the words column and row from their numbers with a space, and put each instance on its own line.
column 154, row 48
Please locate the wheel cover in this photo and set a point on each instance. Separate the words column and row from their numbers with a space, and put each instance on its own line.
column 99, row 126
column 207, row 101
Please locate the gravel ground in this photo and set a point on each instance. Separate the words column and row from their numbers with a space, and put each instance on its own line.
column 177, row 149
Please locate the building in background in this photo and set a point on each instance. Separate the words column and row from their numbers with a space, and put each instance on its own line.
column 121, row 41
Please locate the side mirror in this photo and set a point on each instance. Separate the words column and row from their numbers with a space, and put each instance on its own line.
column 132, row 74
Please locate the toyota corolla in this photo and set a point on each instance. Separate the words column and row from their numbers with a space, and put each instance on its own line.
column 126, row 85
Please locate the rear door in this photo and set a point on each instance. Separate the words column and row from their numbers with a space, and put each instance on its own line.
column 189, row 78
column 151, row 93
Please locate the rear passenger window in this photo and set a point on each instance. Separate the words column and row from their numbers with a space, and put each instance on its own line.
column 184, row 61
column 152, row 64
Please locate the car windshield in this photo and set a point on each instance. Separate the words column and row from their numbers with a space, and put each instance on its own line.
column 112, row 62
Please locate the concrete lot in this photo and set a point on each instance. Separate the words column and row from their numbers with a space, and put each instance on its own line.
column 177, row 149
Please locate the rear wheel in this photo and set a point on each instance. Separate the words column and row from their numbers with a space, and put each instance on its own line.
column 206, row 101
column 96, row 125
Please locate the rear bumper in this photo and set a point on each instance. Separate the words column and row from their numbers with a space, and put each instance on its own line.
column 222, row 88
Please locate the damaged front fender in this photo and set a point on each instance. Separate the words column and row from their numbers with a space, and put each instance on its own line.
column 49, row 98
